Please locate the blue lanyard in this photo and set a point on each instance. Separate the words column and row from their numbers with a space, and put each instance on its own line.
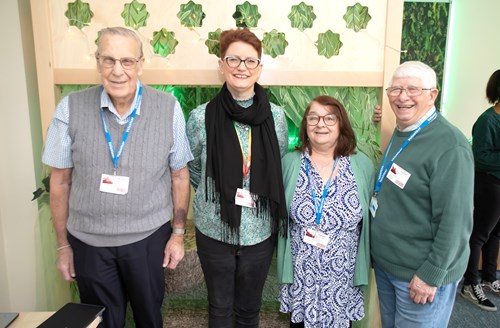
column 385, row 168
column 125, row 134
column 318, row 203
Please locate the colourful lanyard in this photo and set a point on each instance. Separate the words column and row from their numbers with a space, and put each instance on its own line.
column 248, row 160
column 318, row 203
column 125, row 134
column 385, row 168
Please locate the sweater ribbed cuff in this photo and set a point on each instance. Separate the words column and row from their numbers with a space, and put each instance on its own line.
column 431, row 274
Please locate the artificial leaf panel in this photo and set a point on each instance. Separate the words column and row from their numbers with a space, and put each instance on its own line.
column 212, row 42
column 274, row 43
column 357, row 17
column 246, row 15
column 302, row 16
column 79, row 14
column 135, row 14
column 329, row 44
column 164, row 42
column 191, row 15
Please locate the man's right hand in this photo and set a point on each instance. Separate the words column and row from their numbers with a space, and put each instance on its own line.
column 65, row 264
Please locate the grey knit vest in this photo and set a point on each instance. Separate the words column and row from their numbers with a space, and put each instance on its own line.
column 105, row 219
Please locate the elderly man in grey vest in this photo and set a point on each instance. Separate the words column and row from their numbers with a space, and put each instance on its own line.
column 119, row 185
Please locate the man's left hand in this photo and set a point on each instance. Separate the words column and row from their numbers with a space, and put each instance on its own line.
column 420, row 292
column 174, row 251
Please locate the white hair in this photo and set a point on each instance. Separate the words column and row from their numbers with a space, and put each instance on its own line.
column 123, row 31
column 417, row 70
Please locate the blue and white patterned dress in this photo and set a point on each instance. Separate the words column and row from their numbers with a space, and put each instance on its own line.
column 323, row 295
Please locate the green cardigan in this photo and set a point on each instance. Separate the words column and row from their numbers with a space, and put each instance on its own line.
column 364, row 173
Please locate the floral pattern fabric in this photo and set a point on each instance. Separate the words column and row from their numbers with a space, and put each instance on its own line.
column 323, row 295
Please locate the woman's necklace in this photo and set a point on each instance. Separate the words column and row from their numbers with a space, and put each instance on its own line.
column 322, row 167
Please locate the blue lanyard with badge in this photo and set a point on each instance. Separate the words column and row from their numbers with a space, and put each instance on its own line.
column 116, row 184
column 394, row 172
column 314, row 236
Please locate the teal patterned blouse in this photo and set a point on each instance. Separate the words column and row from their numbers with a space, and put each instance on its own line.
column 206, row 218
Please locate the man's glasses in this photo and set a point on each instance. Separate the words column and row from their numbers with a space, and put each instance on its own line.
column 329, row 119
column 233, row 62
column 410, row 91
column 126, row 62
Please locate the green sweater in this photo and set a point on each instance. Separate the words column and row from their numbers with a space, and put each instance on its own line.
column 424, row 228
column 364, row 174
column 486, row 142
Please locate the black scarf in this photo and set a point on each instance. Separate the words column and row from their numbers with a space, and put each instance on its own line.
column 224, row 160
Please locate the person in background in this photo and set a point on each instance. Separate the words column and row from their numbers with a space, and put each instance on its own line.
column 112, row 198
column 422, row 206
column 237, row 140
column 324, row 262
column 486, row 231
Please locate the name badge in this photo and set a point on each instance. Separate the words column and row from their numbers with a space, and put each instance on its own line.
column 244, row 198
column 316, row 238
column 398, row 175
column 114, row 184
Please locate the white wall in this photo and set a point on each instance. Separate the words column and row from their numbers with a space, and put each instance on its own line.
column 19, row 126
column 473, row 55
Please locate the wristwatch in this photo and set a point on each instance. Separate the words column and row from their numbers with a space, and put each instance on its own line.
column 178, row 231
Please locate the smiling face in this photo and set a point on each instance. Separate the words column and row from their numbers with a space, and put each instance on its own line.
column 409, row 110
column 322, row 137
column 240, row 80
column 119, row 83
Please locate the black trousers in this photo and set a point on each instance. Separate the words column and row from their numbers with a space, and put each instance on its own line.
column 486, row 231
column 110, row 276
column 235, row 277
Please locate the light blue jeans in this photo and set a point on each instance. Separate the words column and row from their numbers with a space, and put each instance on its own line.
column 398, row 310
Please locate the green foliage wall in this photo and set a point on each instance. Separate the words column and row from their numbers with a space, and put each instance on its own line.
column 359, row 103
column 425, row 26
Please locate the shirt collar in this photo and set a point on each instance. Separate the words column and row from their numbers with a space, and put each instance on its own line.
column 107, row 103
column 415, row 125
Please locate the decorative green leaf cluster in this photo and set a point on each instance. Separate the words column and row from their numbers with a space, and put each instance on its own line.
column 274, row 43
column 246, row 15
column 164, row 42
column 191, row 15
column 213, row 43
column 357, row 17
column 328, row 44
column 302, row 16
column 79, row 14
column 135, row 14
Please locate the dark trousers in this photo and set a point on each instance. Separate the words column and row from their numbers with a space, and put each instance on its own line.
column 110, row 276
column 486, row 231
column 235, row 277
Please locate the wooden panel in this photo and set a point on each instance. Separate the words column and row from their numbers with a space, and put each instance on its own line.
column 211, row 77
column 392, row 52
column 367, row 58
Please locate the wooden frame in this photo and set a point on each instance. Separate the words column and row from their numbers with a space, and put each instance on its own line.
column 50, row 74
